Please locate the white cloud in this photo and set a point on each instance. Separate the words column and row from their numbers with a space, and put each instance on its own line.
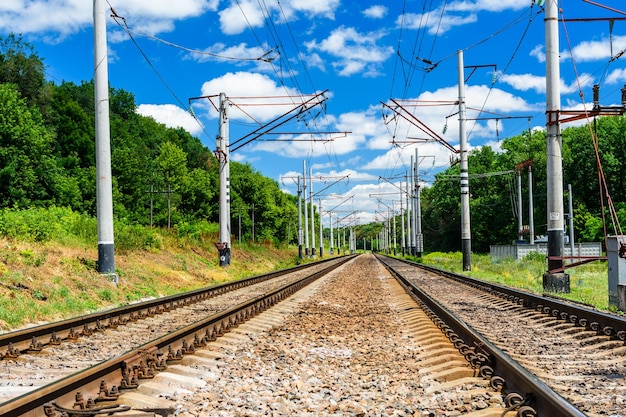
column 458, row 13
column 240, row 16
column 431, row 155
column 528, row 82
column 539, row 53
column 240, row 54
column 367, row 128
column 525, row 82
column 375, row 12
column 356, row 52
column 171, row 116
column 617, row 76
column 248, row 84
column 435, row 23
column 325, row 8
column 595, row 50
column 65, row 17
column 486, row 5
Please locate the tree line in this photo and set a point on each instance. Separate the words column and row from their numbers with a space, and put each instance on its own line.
column 493, row 188
column 47, row 158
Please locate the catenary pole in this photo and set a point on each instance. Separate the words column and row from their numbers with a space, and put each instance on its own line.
column 306, row 216
column 104, row 187
column 312, row 212
column 319, row 209
column 554, row 281
column 531, row 214
column 570, row 199
column 403, row 240
column 408, row 213
column 413, row 226
column 222, row 153
column 300, row 254
column 332, row 238
column 419, row 237
column 466, row 242
column 520, row 221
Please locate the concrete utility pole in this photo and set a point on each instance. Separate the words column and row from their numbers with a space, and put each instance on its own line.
column 330, row 217
column 306, row 216
column 300, row 254
column 554, row 281
column 409, row 229
column 466, row 235
column 413, row 250
column 520, row 221
column 312, row 212
column 403, row 244
column 222, row 153
column 104, row 188
column 419, row 237
column 319, row 209
column 531, row 214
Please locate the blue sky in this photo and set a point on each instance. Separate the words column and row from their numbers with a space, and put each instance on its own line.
column 362, row 53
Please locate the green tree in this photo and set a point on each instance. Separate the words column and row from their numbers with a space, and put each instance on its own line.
column 172, row 163
column 28, row 171
column 20, row 65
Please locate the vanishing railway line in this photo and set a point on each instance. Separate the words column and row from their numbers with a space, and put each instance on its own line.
column 354, row 342
column 579, row 352
column 34, row 357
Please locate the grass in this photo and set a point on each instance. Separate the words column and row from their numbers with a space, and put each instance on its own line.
column 588, row 283
column 48, row 264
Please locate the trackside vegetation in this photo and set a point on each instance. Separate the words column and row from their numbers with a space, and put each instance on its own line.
column 48, row 268
column 588, row 283
column 48, row 189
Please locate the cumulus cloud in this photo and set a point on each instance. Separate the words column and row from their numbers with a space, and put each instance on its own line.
column 250, row 91
column 528, row 82
column 434, row 21
column 355, row 52
column 171, row 116
column 486, row 5
column 457, row 13
column 375, row 12
column 65, row 17
column 240, row 54
column 241, row 15
column 595, row 50
column 617, row 76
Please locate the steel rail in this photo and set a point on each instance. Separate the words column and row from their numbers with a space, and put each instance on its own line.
column 603, row 323
column 16, row 342
column 524, row 388
column 143, row 362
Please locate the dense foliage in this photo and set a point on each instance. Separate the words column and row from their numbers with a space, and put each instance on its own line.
column 166, row 177
column 47, row 158
column 493, row 189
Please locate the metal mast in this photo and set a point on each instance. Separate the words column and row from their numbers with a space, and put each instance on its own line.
column 306, row 216
column 554, row 281
column 312, row 212
column 300, row 254
column 104, row 193
column 222, row 153
column 466, row 236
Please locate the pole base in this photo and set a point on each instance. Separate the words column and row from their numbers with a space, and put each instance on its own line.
column 621, row 297
column 106, row 258
column 556, row 282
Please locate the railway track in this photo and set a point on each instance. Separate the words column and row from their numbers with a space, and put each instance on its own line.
column 33, row 357
column 355, row 342
column 574, row 352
